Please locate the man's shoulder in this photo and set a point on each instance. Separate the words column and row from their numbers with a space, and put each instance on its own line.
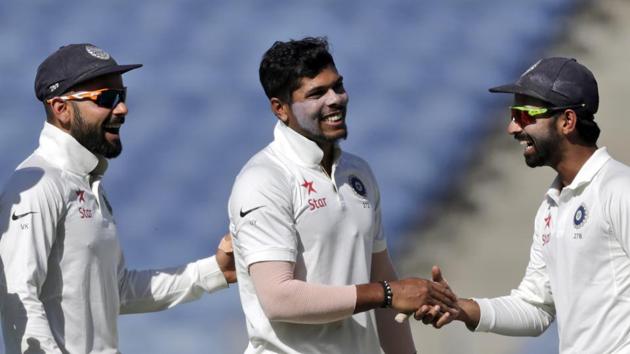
column 355, row 160
column 34, row 174
column 265, row 165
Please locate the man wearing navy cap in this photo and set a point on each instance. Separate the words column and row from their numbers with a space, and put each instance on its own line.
column 579, row 268
column 65, row 280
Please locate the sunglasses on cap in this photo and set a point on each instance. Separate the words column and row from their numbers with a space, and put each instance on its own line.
column 106, row 98
column 526, row 115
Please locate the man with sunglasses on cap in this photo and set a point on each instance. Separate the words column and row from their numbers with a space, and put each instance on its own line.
column 579, row 268
column 65, row 280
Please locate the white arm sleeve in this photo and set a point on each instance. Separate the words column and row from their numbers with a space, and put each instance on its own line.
column 30, row 210
column 286, row 299
column 155, row 290
column 512, row 316
column 529, row 309
column 394, row 337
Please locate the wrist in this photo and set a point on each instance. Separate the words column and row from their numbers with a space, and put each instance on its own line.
column 388, row 295
column 469, row 313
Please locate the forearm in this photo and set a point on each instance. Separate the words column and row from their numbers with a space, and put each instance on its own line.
column 155, row 290
column 290, row 300
column 508, row 315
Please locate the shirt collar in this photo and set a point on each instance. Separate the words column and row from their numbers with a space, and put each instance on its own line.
column 585, row 174
column 298, row 148
column 64, row 151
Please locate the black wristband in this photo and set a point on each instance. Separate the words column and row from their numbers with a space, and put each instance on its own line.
column 389, row 295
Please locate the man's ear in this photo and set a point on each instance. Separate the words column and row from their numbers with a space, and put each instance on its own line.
column 569, row 122
column 60, row 113
column 280, row 109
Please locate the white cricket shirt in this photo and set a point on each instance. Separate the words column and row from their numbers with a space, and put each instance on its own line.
column 285, row 207
column 64, row 280
column 579, row 268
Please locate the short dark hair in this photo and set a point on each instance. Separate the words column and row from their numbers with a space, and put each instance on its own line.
column 285, row 63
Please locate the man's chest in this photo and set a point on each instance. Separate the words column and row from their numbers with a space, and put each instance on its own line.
column 342, row 208
column 577, row 243
column 89, row 225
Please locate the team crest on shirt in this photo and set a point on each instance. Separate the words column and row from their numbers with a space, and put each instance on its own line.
column 580, row 217
column 357, row 186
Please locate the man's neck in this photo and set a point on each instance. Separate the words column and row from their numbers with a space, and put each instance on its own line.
column 572, row 161
column 329, row 156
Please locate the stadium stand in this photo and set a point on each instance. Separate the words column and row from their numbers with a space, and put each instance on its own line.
column 416, row 71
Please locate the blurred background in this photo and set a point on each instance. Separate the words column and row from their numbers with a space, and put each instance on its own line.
column 455, row 190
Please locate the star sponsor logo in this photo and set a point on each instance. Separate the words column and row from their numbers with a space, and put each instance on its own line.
column 546, row 238
column 548, row 221
column 316, row 203
column 85, row 213
column 309, row 186
column 80, row 195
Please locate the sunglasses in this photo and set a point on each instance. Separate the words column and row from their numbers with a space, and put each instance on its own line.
column 526, row 115
column 106, row 98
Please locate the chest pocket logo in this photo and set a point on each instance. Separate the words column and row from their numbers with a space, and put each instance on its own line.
column 357, row 186
column 580, row 217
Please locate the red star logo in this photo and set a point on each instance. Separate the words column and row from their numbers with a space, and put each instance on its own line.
column 309, row 187
column 80, row 195
column 548, row 221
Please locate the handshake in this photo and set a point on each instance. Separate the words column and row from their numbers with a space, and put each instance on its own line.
column 432, row 302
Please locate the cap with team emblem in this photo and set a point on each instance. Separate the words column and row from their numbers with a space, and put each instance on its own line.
column 559, row 81
column 73, row 64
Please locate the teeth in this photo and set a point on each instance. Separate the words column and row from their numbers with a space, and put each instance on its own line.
column 334, row 118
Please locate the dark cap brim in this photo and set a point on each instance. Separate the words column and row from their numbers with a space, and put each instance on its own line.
column 114, row 69
column 516, row 89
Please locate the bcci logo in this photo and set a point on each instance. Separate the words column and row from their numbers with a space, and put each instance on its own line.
column 97, row 52
column 357, row 185
column 580, row 217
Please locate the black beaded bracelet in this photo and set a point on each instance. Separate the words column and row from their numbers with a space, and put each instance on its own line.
column 389, row 295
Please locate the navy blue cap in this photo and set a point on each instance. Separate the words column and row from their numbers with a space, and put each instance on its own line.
column 73, row 64
column 559, row 81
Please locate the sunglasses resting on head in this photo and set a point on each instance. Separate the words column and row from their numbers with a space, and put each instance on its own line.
column 106, row 98
column 526, row 115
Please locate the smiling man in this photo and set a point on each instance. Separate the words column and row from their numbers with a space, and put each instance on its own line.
column 64, row 280
column 311, row 256
column 579, row 268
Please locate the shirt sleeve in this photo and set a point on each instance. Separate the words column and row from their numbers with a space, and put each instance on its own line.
column 31, row 207
column 261, row 216
column 529, row 309
column 159, row 289
column 616, row 208
column 380, row 241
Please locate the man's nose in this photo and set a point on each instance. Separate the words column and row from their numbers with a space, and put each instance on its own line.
column 513, row 128
column 336, row 98
column 121, row 109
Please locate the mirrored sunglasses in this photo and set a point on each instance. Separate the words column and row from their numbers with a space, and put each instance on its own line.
column 526, row 115
column 106, row 98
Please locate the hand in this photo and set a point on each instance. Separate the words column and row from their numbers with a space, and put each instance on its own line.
column 434, row 315
column 225, row 258
column 411, row 295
